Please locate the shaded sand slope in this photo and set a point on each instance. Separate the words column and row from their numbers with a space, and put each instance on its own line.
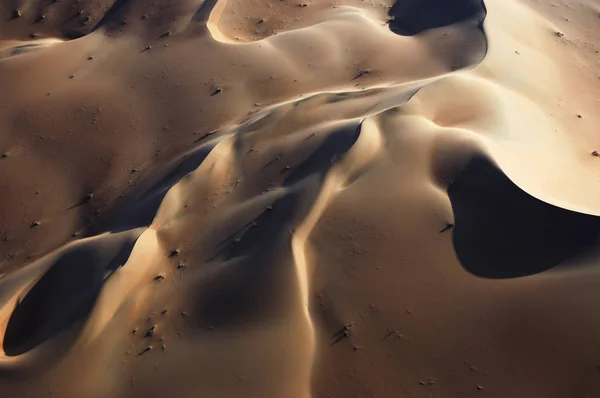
column 283, row 199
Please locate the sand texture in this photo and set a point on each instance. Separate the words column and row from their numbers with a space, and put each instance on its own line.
column 299, row 198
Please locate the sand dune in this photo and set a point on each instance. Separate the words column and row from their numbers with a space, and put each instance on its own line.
column 228, row 198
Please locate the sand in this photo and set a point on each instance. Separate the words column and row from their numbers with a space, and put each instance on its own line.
column 299, row 199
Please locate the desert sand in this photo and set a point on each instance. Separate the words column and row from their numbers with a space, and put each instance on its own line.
column 299, row 198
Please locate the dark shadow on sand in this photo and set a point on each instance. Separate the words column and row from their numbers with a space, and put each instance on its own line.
column 503, row 232
column 411, row 17
column 139, row 209
column 244, row 291
column 63, row 297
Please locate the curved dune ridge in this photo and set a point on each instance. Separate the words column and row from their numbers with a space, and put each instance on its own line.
column 229, row 198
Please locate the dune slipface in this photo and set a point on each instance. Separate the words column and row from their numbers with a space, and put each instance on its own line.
column 229, row 198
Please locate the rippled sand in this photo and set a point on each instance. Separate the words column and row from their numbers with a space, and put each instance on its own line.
column 299, row 199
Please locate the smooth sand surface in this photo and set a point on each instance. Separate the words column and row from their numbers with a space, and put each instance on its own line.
column 299, row 199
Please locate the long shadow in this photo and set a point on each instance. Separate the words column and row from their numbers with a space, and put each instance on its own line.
column 63, row 297
column 503, row 232
column 340, row 335
column 202, row 15
column 140, row 210
column 109, row 19
column 411, row 17
column 316, row 166
column 252, row 289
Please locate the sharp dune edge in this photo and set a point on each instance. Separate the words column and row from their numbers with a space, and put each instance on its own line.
column 299, row 199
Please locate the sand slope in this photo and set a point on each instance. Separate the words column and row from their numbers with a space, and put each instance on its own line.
column 229, row 198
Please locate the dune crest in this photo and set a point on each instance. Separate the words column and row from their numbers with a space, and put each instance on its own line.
column 229, row 198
